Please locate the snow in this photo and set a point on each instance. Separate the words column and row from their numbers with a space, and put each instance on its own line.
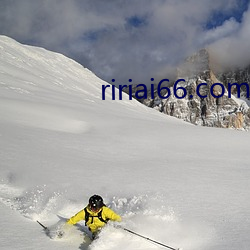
column 182, row 185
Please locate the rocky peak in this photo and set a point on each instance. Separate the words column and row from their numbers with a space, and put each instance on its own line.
column 222, row 112
column 194, row 65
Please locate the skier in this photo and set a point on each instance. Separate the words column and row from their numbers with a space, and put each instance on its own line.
column 95, row 214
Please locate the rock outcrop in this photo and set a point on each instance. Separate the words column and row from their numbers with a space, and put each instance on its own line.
column 224, row 112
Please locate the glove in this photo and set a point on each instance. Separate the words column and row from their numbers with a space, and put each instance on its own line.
column 60, row 234
column 62, row 229
column 118, row 226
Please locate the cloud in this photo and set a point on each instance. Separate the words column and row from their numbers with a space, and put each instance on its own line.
column 123, row 39
column 233, row 49
column 228, row 28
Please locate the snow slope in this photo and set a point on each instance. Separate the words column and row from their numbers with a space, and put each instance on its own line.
column 176, row 183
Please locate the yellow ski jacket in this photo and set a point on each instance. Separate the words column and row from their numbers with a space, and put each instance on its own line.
column 94, row 223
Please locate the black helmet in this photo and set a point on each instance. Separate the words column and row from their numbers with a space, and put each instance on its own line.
column 96, row 202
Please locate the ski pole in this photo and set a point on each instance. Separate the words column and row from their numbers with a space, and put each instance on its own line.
column 45, row 228
column 146, row 238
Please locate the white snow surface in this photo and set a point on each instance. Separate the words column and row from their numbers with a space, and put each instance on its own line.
column 182, row 185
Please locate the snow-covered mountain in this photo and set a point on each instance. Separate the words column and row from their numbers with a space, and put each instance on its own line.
column 182, row 185
column 223, row 112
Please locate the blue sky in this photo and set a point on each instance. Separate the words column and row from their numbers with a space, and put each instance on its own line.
column 218, row 17
column 132, row 39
